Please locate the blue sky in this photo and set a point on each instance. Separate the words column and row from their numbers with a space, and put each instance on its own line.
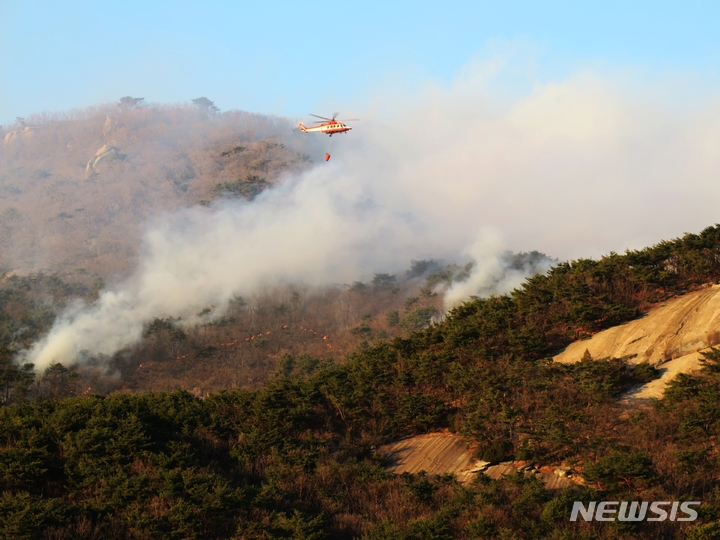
column 291, row 58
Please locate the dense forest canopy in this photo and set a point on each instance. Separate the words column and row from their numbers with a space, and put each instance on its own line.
column 297, row 458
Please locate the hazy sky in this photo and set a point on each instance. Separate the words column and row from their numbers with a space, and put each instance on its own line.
column 292, row 58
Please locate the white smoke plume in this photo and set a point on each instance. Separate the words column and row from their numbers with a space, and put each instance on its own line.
column 575, row 167
column 320, row 229
column 493, row 271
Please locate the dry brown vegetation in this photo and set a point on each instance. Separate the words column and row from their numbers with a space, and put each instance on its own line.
column 76, row 188
column 290, row 330
column 294, row 329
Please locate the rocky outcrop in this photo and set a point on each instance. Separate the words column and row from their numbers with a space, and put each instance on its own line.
column 434, row 453
column 443, row 452
column 668, row 337
column 106, row 152
column 109, row 127
column 15, row 140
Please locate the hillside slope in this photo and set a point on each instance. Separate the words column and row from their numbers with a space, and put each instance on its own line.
column 76, row 189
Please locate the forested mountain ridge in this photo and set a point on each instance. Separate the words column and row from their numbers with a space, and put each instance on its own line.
column 77, row 188
column 296, row 458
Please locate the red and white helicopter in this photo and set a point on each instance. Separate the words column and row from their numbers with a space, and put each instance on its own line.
column 329, row 126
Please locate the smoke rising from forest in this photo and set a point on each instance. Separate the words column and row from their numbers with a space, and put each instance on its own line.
column 571, row 168
column 494, row 272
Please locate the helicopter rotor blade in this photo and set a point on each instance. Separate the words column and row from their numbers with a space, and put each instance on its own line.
column 333, row 119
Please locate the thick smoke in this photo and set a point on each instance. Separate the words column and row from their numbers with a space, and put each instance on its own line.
column 571, row 168
column 322, row 228
column 495, row 270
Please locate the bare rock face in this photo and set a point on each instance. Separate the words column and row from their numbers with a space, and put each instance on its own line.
column 11, row 136
column 106, row 152
column 443, row 452
column 109, row 127
column 434, row 453
column 14, row 141
column 669, row 337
